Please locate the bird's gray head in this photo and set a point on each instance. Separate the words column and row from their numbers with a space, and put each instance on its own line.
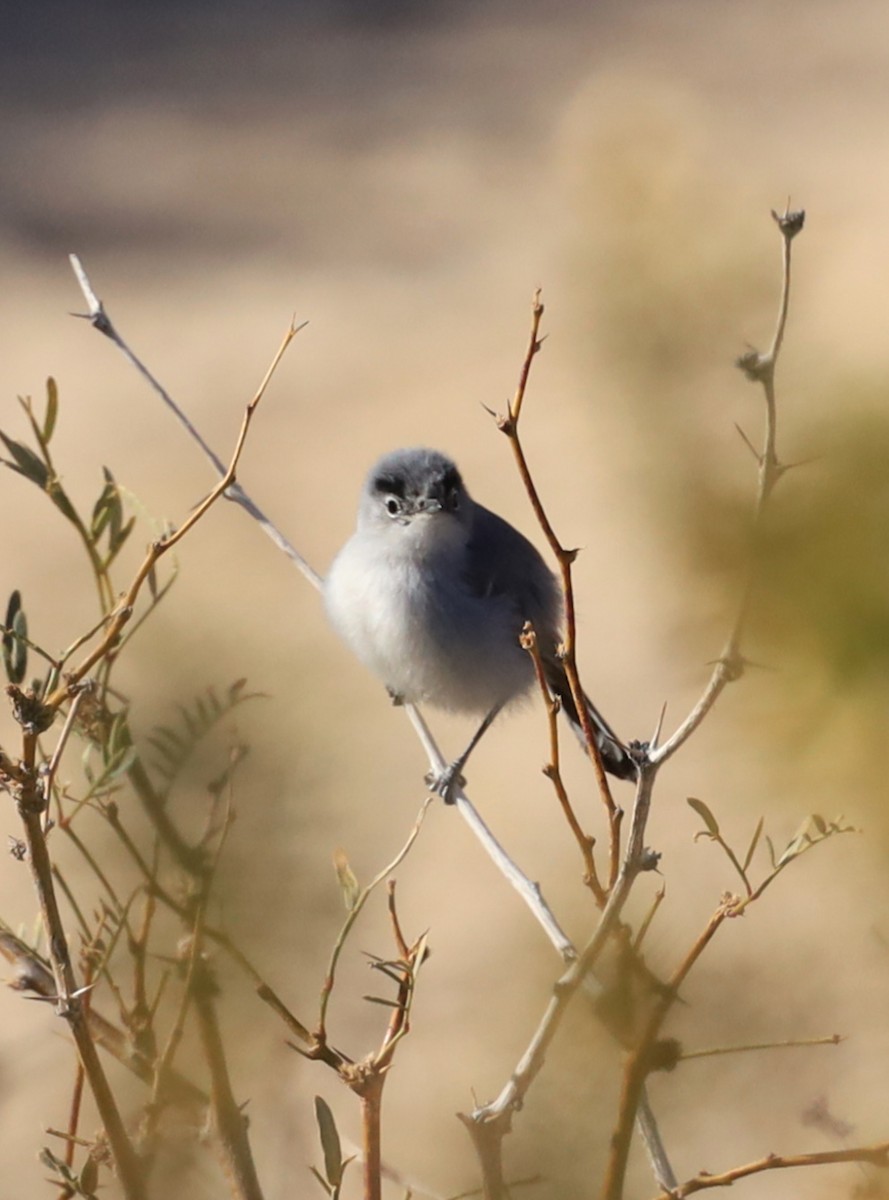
column 418, row 492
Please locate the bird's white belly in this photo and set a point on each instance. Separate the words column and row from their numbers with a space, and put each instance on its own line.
column 429, row 644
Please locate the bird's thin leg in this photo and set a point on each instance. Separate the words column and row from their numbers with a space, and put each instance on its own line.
column 451, row 777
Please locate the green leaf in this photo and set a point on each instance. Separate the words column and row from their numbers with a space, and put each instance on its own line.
column 89, row 1177
column 14, row 606
column 397, row 976
column 196, row 720
column 26, row 462
column 421, row 952
column 116, row 505
column 108, row 515
column 52, row 409
column 120, row 764
column 328, row 1189
column 754, row 842
column 119, row 737
column 20, row 647
column 348, row 882
column 167, row 734
column 800, row 842
column 118, row 538
column 330, row 1142
column 102, row 510
column 15, row 640
column 55, row 1164
column 706, row 816
column 162, row 747
column 59, row 497
column 191, row 725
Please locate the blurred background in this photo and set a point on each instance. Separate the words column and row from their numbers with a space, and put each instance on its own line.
column 403, row 176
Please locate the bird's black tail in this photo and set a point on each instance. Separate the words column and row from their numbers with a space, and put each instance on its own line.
column 615, row 759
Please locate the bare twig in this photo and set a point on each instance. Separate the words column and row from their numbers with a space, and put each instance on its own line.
column 361, row 899
column 33, row 974
column 758, row 368
column 50, row 775
column 831, row 1039
column 877, row 1155
column 368, row 1079
column 552, row 771
column 229, row 1122
column 509, row 425
column 100, row 320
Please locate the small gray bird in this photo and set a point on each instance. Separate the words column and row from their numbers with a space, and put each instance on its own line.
column 431, row 593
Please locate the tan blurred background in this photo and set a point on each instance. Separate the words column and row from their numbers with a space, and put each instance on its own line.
column 403, row 176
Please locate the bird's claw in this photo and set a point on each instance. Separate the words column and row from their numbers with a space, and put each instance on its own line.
column 444, row 783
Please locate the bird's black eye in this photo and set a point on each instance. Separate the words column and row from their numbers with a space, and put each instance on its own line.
column 393, row 507
column 453, row 498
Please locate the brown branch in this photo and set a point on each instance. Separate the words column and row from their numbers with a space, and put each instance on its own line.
column 553, row 772
column 397, row 932
column 370, row 1080
column 229, row 1123
column 69, row 1004
column 32, row 974
column 490, row 1123
column 74, row 1113
column 371, row 1094
column 640, row 1061
column 877, row 1155
column 831, row 1039
column 509, row 425
column 493, row 1121
column 320, row 1035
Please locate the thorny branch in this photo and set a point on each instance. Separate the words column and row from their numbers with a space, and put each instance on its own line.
column 758, row 367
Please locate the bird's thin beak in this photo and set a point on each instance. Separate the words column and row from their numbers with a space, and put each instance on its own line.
column 428, row 504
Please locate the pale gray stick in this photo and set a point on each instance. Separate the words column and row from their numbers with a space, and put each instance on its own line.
column 527, row 888
column 101, row 321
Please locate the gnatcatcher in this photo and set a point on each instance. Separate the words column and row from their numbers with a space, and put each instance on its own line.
column 431, row 592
